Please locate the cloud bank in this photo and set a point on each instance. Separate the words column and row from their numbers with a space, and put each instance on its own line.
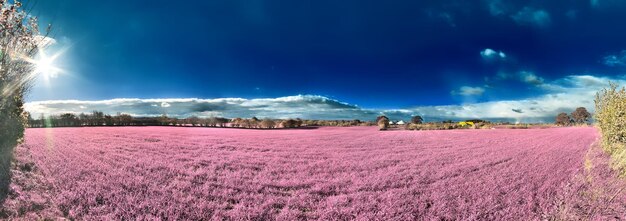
column 562, row 95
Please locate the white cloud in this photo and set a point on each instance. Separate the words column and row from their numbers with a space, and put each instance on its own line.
column 561, row 95
column 615, row 60
column 469, row 91
column 534, row 17
column 490, row 54
column 304, row 106
column 531, row 78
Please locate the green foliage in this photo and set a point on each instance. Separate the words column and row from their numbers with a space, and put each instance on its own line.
column 610, row 118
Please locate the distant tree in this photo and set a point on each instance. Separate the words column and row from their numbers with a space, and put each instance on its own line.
column 108, row 120
column 290, row 123
column 222, row 121
column 253, row 122
column 267, row 123
column 245, row 123
column 381, row 117
column 68, row 120
column 562, row 119
column 236, row 122
column 42, row 119
column 84, row 119
column 164, row 120
column 193, row 120
column 181, row 122
column 417, row 120
column 97, row 118
column 124, row 119
column 383, row 123
column 581, row 115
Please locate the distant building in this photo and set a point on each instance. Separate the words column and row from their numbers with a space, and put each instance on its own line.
column 400, row 123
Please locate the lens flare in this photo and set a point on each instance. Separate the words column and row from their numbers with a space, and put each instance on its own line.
column 45, row 64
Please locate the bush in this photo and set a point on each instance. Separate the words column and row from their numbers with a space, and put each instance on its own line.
column 610, row 118
column 467, row 124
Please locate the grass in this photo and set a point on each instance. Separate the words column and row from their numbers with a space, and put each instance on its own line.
column 328, row 173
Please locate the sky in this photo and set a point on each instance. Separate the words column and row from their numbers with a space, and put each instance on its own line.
column 449, row 59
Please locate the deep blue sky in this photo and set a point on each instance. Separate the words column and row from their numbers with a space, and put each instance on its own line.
column 377, row 54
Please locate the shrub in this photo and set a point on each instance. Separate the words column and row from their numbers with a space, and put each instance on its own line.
column 611, row 114
column 466, row 124
column 610, row 118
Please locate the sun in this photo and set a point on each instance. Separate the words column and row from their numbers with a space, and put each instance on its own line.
column 45, row 65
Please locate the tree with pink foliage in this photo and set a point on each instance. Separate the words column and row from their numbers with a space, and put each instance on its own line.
column 19, row 43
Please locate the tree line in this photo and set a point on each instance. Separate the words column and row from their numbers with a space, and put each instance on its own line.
column 98, row 118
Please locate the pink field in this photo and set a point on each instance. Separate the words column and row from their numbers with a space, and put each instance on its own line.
column 327, row 173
